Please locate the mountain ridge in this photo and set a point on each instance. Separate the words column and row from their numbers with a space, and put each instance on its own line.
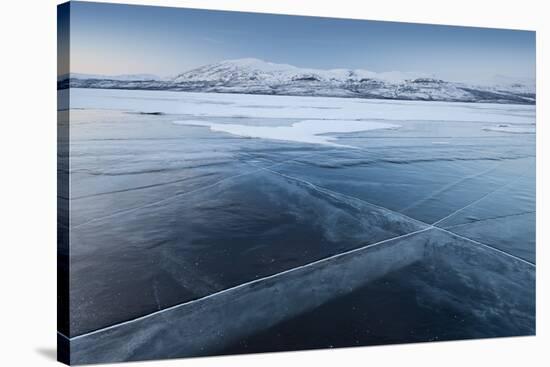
column 254, row 76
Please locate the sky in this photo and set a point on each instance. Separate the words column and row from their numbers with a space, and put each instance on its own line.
column 125, row 39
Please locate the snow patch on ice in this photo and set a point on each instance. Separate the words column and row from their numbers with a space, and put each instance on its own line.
column 513, row 129
column 299, row 108
column 307, row 131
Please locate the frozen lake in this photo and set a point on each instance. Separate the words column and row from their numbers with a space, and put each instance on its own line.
column 177, row 196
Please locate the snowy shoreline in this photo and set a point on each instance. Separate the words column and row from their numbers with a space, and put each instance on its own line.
column 252, row 106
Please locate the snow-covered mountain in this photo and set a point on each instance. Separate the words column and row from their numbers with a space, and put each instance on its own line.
column 253, row 76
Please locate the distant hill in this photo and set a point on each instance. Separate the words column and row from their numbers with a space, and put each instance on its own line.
column 253, row 76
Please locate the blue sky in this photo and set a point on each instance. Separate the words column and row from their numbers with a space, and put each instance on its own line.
column 122, row 39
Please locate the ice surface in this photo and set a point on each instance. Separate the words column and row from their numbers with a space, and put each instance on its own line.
column 425, row 286
column 188, row 246
column 452, row 292
column 163, row 214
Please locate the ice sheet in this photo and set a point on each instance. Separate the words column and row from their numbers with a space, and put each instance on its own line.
column 300, row 108
column 188, row 246
column 190, row 210
column 458, row 291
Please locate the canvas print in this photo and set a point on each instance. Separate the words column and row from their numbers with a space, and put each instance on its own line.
column 234, row 182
